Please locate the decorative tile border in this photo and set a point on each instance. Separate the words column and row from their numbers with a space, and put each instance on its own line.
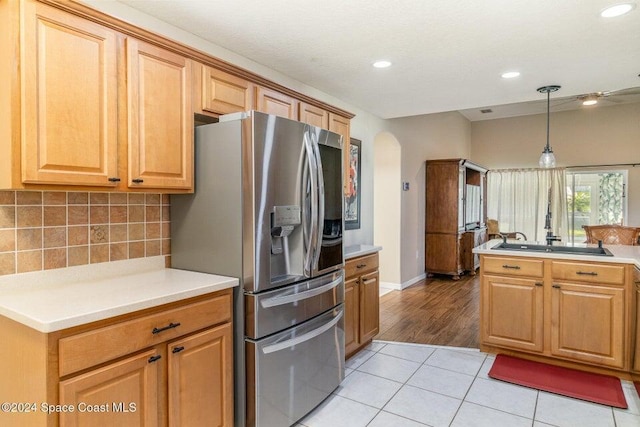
column 42, row 230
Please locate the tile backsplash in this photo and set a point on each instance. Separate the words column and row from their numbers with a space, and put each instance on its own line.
column 42, row 230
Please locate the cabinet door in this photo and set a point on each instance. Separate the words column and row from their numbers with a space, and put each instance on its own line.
column 223, row 93
column 442, row 253
column 70, row 81
column 272, row 102
column 369, row 306
column 124, row 393
column 587, row 323
column 160, row 118
column 313, row 115
column 200, row 376
column 636, row 282
column 512, row 312
column 341, row 126
column 351, row 315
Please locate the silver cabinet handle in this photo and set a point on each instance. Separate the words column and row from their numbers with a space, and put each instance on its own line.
column 302, row 338
column 275, row 301
column 514, row 267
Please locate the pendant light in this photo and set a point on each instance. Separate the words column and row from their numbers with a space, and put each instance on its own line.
column 547, row 159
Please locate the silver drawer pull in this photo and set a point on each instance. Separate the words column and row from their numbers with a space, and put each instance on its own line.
column 302, row 338
column 361, row 265
column 587, row 273
column 514, row 267
column 274, row 301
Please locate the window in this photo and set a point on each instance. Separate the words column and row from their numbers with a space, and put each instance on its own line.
column 595, row 197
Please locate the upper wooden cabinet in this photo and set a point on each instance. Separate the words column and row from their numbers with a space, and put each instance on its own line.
column 342, row 125
column 92, row 102
column 160, row 117
column 69, row 103
column 217, row 92
column 271, row 102
column 313, row 115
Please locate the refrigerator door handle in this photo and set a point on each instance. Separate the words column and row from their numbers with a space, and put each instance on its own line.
column 313, row 177
column 304, row 337
column 275, row 301
column 320, row 195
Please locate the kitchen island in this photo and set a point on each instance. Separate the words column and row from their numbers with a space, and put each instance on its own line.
column 565, row 308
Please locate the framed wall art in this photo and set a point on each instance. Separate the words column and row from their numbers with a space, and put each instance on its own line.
column 352, row 198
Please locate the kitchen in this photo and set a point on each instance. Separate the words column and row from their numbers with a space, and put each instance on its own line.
column 412, row 132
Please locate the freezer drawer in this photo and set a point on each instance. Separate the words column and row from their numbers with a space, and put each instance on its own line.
column 273, row 311
column 290, row 373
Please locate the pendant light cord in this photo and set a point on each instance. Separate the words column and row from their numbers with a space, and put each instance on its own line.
column 548, row 117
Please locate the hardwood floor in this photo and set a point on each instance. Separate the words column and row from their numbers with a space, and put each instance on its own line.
column 437, row 311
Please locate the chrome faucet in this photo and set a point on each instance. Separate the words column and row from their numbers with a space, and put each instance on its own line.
column 550, row 238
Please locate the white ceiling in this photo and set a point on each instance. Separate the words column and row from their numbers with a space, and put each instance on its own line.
column 447, row 55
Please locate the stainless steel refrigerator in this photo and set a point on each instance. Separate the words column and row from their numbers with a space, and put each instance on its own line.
column 268, row 209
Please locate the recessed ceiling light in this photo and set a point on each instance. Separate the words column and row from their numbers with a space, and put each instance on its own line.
column 617, row 10
column 382, row 64
column 510, row 74
column 590, row 101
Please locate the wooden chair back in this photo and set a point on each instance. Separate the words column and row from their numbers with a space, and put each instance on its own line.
column 613, row 234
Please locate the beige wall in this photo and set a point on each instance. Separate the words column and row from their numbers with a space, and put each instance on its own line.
column 433, row 136
column 387, row 200
column 589, row 136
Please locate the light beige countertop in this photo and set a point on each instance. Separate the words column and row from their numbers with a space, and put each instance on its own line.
column 360, row 250
column 621, row 253
column 52, row 300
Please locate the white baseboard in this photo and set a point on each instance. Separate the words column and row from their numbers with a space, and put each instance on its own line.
column 404, row 285
column 413, row 281
column 391, row 285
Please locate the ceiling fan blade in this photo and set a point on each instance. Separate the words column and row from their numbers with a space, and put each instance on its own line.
column 622, row 92
column 561, row 102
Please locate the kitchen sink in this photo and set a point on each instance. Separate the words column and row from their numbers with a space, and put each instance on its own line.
column 578, row 250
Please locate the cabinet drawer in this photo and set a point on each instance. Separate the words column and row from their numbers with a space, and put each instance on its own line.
column 592, row 273
column 513, row 266
column 90, row 348
column 357, row 266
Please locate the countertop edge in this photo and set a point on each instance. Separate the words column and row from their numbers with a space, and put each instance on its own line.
column 203, row 286
column 621, row 254
column 360, row 251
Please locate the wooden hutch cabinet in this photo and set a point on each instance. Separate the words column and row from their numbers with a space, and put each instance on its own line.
column 455, row 216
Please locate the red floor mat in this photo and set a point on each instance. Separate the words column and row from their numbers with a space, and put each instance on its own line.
column 587, row 386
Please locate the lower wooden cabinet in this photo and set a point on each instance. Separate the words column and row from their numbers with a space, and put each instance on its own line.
column 121, row 393
column 199, row 379
column 636, row 283
column 361, row 301
column 176, row 369
column 512, row 312
column 588, row 323
column 572, row 311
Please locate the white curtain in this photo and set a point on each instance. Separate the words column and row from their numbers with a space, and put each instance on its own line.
column 518, row 199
